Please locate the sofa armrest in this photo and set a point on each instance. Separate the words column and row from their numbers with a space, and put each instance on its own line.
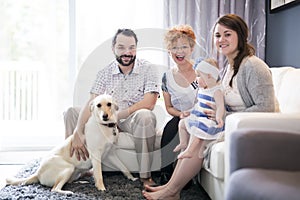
column 267, row 121
column 258, row 148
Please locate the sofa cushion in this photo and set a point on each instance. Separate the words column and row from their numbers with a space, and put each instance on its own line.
column 287, row 91
column 216, row 163
column 287, row 88
column 248, row 184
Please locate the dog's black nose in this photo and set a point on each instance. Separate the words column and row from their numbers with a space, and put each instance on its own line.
column 105, row 117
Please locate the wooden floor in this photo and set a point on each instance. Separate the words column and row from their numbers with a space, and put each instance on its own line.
column 11, row 162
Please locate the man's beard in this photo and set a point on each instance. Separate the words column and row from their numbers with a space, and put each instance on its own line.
column 119, row 59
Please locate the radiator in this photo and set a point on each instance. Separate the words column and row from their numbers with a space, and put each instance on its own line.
column 19, row 93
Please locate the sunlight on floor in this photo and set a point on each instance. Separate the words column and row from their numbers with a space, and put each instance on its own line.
column 8, row 171
column 30, row 135
column 12, row 161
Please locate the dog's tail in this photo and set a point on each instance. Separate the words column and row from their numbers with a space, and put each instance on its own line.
column 22, row 181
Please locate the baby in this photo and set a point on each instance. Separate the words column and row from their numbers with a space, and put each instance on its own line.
column 197, row 126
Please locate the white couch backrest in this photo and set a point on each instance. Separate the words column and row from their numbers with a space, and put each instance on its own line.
column 149, row 39
column 102, row 56
column 287, row 88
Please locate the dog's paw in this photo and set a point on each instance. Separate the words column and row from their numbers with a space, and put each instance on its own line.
column 100, row 187
column 133, row 179
column 130, row 177
column 65, row 192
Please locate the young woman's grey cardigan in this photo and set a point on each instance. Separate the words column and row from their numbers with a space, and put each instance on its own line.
column 254, row 82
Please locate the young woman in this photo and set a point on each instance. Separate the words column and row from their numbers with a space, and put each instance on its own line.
column 198, row 126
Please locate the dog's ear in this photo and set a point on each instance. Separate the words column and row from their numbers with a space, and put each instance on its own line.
column 91, row 105
column 115, row 105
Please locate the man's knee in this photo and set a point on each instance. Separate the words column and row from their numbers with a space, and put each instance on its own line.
column 144, row 124
column 71, row 113
column 145, row 117
column 70, row 120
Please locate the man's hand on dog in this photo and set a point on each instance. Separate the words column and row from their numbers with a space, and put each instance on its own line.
column 78, row 147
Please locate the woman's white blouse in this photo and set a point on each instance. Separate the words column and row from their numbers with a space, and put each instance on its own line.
column 232, row 95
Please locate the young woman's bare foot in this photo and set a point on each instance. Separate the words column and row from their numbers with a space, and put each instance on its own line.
column 180, row 147
column 154, row 189
column 164, row 194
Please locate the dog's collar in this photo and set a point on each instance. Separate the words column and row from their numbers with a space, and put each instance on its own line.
column 110, row 125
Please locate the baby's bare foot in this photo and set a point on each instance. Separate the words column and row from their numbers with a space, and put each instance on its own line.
column 180, row 147
column 185, row 154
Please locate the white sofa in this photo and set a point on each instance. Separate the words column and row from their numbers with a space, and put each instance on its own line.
column 125, row 146
column 287, row 90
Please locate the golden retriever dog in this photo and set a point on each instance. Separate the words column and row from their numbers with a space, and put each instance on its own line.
column 101, row 134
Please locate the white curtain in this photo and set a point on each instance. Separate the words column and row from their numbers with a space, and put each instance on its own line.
column 202, row 14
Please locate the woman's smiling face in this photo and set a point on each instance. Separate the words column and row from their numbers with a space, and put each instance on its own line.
column 181, row 51
column 226, row 41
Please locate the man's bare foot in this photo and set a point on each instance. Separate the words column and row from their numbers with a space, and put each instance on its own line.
column 179, row 147
column 185, row 154
column 164, row 194
column 148, row 182
column 88, row 173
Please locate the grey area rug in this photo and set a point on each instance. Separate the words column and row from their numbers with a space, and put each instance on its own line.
column 117, row 188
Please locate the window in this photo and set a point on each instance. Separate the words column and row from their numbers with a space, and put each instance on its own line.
column 97, row 22
column 33, row 60
column 43, row 45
